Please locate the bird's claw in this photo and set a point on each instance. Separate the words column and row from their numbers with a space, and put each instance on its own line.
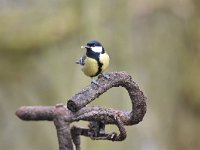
column 105, row 76
column 94, row 82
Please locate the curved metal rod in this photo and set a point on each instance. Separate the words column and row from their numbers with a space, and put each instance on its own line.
column 90, row 93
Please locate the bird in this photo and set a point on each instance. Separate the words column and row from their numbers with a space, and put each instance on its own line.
column 95, row 61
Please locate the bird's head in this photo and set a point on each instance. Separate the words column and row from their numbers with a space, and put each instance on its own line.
column 94, row 46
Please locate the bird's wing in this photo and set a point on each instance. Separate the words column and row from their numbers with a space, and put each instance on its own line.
column 81, row 61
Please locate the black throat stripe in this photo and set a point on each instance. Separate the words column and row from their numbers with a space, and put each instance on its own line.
column 99, row 67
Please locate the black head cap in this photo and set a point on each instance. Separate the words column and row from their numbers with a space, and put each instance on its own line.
column 93, row 43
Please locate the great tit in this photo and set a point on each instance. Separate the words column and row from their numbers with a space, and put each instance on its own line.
column 95, row 61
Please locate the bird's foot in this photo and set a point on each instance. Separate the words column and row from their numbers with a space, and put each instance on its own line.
column 94, row 82
column 105, row 76
column 77, row 62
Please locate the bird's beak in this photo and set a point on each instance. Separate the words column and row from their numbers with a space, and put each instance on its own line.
column 85, row 47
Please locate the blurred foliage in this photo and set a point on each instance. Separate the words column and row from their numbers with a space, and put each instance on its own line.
column 156, row 41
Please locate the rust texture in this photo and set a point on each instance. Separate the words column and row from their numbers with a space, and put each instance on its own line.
column 98, row 117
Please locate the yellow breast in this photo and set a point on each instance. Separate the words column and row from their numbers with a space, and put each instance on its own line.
column 104, row 59
column 91, row 67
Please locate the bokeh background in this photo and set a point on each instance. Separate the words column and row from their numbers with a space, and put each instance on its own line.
column 155, row 41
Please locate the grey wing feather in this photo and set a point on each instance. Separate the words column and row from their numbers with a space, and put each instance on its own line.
column 81, row 61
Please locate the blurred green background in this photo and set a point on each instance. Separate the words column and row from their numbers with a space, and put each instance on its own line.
column 155, row 41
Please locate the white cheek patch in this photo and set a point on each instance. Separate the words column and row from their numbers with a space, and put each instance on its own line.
column 97, row 49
